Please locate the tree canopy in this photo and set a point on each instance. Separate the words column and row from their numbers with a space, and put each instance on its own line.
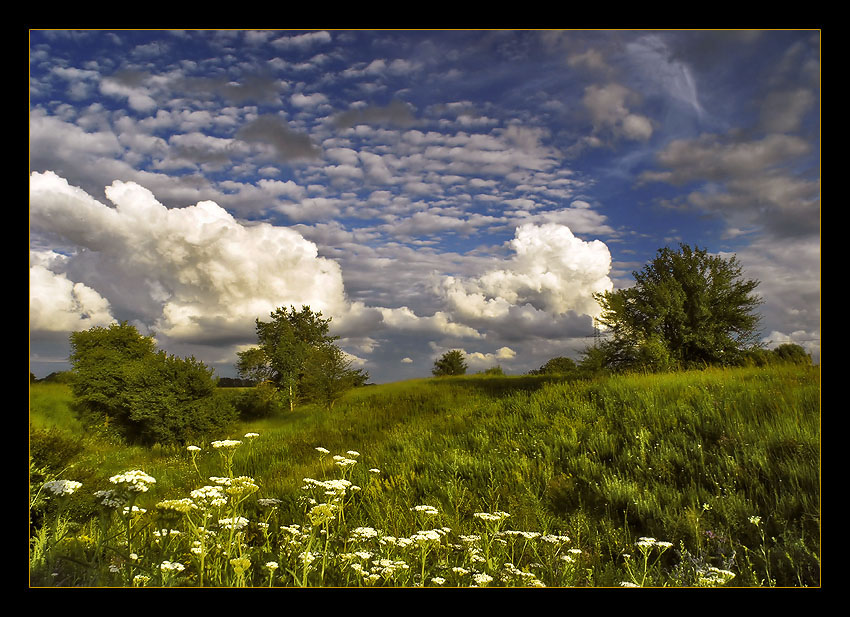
column 450, row 363
column 560, row 365
column 294, row 352
column 687, row 308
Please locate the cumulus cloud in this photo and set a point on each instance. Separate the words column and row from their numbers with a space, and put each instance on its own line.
column 478, row 360
column 552, row 273
column 57, row 304
column 195, row 271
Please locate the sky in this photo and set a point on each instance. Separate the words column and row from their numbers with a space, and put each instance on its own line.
column 426, row 190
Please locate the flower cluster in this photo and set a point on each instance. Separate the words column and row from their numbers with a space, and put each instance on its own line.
column 226, row 444
column 136, row 481
column 62, row 487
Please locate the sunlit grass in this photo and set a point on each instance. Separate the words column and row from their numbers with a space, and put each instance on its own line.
column 686, row 458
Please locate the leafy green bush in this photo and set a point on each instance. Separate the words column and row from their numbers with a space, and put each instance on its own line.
column 147, row 396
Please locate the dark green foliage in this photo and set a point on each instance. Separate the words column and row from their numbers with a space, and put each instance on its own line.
column 234, row 382
column 284, row 345
column 791, row 353
column 121, row 382
column 687, row 309
column 260, row 401
column 494, row 371
column 787, row 353
column 450, row 363
column 328, row 374
column 556, row 366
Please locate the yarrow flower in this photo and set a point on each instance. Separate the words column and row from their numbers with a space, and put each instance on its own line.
column 193, row 448
column 62, row 487
column 491, row 516
column 364, row 533
column 136, row 480
column 241, row 485
column 714, row 577
column 755, row 520
column 240, row 564
column 237, row 522
column 227, row 444
column 171, row 566
column 251, row 435
column 344, row 462
column 178, row 505
column 209, row 496
column 322, row 450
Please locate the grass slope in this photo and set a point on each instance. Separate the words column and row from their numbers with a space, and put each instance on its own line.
column 722, row 464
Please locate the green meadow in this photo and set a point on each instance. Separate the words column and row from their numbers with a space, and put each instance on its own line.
column 685, row 479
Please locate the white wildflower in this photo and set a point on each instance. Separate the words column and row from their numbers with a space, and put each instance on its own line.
column 62, row 487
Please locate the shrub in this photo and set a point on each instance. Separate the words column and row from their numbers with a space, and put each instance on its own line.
column 147, row 396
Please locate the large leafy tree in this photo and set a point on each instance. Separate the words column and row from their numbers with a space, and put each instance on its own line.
column 687, row 308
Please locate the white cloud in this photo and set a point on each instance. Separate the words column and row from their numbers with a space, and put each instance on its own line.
column 551, row 271
column 203, row 274
column 57, row 304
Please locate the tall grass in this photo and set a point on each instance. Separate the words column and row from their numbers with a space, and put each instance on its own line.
column 695, row 478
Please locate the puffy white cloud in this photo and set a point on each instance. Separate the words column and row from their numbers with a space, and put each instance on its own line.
column 552, row 271
column 478, row 360
column 405, row 320
column 57, row 304
column 196, row 271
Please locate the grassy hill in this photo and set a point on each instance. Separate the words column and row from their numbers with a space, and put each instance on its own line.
column 672, row 479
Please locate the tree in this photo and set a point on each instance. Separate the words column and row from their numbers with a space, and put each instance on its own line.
column 121, row 381
column 687, row 308
column 297, row 355
column 791, row 353
column 328, row 374
column 450, row 363
column 284, row 344
column 556, row 366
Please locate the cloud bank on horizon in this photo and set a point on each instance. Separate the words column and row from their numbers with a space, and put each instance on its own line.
column 426, row 190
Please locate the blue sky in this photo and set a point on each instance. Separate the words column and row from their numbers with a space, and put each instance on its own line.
column 427, row 190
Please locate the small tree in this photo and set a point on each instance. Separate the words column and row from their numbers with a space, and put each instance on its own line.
column 450, row 363
column 284, row 344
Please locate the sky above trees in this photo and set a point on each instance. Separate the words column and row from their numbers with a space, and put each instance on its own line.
column 427, row 190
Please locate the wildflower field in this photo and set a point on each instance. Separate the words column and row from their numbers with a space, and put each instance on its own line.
column 695, row 479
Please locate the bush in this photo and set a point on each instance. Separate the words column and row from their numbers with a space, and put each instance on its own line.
column 121, row 382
